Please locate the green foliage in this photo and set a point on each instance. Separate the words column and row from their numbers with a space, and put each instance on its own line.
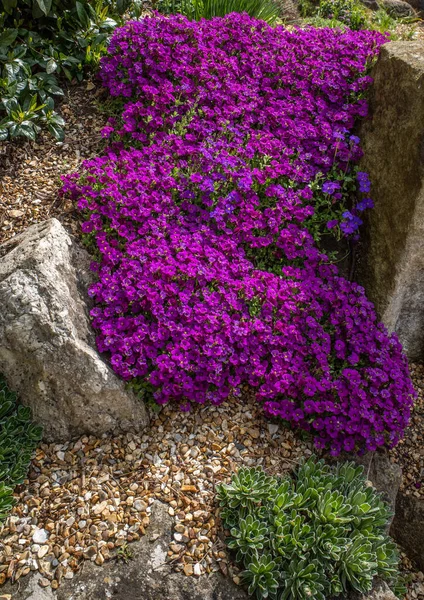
column 267, row 10
column 316, row 535
column 352, row 14
column 18, row 439
column 349, row 12
column 42, row 43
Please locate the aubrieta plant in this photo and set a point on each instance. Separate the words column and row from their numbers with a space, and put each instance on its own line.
column 312, row 536
column 231, row 159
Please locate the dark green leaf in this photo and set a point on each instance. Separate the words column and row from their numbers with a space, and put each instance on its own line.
column 8, row 5
column 8, row 36
column 83, row 17
column 51, row 66
column 44, row 6
column 56, row 131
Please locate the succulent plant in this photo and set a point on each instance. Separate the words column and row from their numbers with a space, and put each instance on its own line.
column 248, row 488
column 262, row 576
column 316, row 535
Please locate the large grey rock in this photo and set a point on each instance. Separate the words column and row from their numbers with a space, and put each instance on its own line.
column 408, row 526
column 385, row 476
column 380, row 591
column 418, row 5
column 147, row 576
column 392, row 269
column 398, row 8
column 47, row 346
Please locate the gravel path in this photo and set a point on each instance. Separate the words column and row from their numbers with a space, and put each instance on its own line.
column 87, row 499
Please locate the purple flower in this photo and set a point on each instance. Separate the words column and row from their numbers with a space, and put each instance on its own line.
column 209, row 277
column 329, row 187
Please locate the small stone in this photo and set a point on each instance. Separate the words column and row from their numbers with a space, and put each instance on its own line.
column 272, row 428
column 15, row 214
column 69, row 574
column 188, row 570
column 197, row 570
column 42, row 551
column 40, row 536
column 43, row 582
column 140, row 506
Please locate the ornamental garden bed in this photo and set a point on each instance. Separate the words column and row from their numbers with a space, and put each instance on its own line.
column 229, row 170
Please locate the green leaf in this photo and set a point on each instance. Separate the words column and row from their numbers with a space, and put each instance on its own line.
column 56, row 131
column 44, row 6
column 51, row 66
column 82, row 15
column 8, row 5
column 54, row 89
column 8, row 36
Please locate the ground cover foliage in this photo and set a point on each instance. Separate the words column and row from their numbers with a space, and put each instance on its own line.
column 231, row 160
column 18, row 439
column 317, row 534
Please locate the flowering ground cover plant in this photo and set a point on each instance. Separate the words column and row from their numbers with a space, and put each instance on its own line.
column 231, row 160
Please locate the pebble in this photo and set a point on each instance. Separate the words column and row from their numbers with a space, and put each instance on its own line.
column 43, row 551
column 40, row 536
column 95, row 501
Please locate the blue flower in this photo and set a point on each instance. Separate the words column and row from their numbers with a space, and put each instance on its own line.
column 329, row 187
column 365, row 203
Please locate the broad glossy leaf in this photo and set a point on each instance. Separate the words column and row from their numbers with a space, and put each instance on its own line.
column 44, row 6
column 83, row 17
column 51, row 66
column 8, row 36
column 56, row 131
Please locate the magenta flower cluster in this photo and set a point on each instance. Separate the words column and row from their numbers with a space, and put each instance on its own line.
column 209, row 278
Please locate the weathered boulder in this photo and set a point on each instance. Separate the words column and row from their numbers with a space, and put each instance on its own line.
column 392, row 269
column 147, row 576
column 418, row 5
column 380, row 591
column 47, row 347
column 385, row 476
column 398, row 8
column 408, row 526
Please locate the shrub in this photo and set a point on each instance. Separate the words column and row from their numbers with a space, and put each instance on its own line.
column 349, row 12
column 18, row 439
column 312, row 536
column 42, row 42
column 267, row 10
column 230, row 162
